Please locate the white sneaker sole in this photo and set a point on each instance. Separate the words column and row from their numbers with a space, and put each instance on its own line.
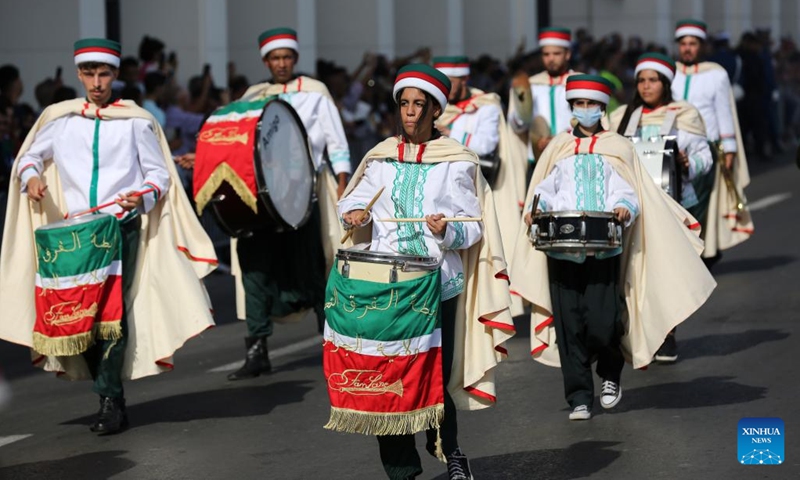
column 614, row 403
column 666, row 358
column 580, row 416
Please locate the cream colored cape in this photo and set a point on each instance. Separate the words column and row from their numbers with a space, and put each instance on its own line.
column 509, row 188
column 169, row 302
column 725, row 227
column 331, row 228
column 662, row 277
column 687, row 118
column 485, row 301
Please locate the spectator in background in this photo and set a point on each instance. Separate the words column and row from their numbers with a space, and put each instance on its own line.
column 752, row 116
column 128, row 75
column 132, row 92
column 151, row 54
column 154, row 83
column 64, row 93
column 10, row 84
column 6, row 142
column 237, row 86
column 46, row 89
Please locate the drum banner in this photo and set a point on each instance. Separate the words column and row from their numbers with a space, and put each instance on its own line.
column 226, row 152
column 382, row 355
column 78, row 286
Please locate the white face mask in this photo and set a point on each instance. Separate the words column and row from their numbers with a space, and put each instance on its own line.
column 587, row 117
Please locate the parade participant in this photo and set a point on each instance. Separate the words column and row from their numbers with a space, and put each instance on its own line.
column 99, row 153
column 653, row 114
column 428, row 176
column 721, row 207
column 591, row 169
column 475, row 119
column 547, row 89
column 270, row 279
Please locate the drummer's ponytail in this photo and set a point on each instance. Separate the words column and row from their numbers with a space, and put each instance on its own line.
column 666, row 99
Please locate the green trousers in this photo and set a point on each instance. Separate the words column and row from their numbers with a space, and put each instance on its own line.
column 587, row 308
column 282, row 273
column 399, row 452
column 105, row 357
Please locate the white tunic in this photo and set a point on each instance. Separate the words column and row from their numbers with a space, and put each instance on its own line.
column 700, row 160
column 414, row 190
column 550, row 103
column 709, row 92
column 585, row 182
column 99, row 159
column 324, row 128
column 478, row 130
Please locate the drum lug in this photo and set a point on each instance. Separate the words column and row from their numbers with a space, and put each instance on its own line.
column 552, row 229
column 393, row 274
column 346, row 269
column 583, row 229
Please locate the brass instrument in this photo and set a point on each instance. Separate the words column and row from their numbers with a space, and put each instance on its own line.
column 727, row 175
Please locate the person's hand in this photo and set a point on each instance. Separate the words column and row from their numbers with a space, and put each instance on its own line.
column 683, row 158
column 436, row 224
column 36, row 189
column 622, row 214
column 186, row 160
column 353, row 217
column 520, row 80
column 129, row 201
column 729, row 157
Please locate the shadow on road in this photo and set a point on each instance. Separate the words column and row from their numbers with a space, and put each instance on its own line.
column 699, row 392
column 719, row 345
column 78, row 467
column 232, row 402
column 577, row 461
column 745, row 265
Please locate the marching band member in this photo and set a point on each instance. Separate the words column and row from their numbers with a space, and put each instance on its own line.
column 434, row 177
column 80, row 154
column 475, row 119
column 720, row 209
column 547, row 89
column 653, row 113
column 271, row 281
column 580, row 304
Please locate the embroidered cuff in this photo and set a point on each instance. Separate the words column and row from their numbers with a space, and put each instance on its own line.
column 358, row 206
column 149, row 199
column 340, row 161
column 630, row 207
column 729, row 144
column 453, row 238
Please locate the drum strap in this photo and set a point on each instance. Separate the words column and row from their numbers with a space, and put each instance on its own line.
column 636, row 117
column 669, row 121
column 633, row 123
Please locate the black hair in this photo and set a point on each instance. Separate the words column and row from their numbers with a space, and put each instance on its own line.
column 84, row 66
column 131, row 92
column 152, row 81
column 129, row 62
column 429, row 100
column 666, row 99
column 149, row 48
column 603, row 106
column 64, row 93
column 8, row 75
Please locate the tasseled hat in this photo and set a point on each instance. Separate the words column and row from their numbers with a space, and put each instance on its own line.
column 426, row 78
column 457, row 66
column 556, row 37
column 277, row 38
column 695, row 28
column 658, row 62
column 592, row 87
column 97, row 50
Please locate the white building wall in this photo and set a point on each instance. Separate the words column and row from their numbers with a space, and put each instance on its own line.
column 344, row 37
column 420, row 23
column 481, row 32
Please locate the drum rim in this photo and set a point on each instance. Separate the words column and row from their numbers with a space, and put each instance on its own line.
column 575, row 214
column 388, row 258
column 263, row 190
column 72, row 221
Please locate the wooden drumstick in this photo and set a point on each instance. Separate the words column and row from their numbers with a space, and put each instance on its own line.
column 446, row 219
column 363, row 215
column 100, row 207
column 535, row 203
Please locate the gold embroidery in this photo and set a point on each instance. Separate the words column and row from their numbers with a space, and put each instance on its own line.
column 50, row 257
column 363, row 382
column 224, row 136
column 68, row 312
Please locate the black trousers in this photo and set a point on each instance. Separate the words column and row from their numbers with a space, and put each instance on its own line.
column 399, row 452
column 587, row 317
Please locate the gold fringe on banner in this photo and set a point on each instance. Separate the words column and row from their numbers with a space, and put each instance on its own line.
column 62, row 346
column 224, row 172
column 372, row 423
column 110, row 330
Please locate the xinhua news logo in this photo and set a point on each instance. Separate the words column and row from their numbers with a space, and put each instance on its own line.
column 761, row 441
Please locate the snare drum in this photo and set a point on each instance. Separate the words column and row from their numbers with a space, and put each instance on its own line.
column 255, row 154
column 383, row 267
column 572, row 231
column 659, row 156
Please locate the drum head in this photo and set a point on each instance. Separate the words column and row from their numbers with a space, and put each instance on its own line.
column 284, row 166
column 74, row 221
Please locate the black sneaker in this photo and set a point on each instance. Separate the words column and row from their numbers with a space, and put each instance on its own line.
column 458, row 466
column 668, row 352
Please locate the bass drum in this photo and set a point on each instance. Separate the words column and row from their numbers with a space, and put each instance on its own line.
column 660, row 159
column 280, row 161
column 490, row 167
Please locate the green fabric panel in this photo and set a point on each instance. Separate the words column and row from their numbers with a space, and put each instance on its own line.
column 383, row 311
column 241, row 107
column 75, row 249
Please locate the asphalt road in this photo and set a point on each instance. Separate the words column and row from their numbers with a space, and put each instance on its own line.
column 737, row 359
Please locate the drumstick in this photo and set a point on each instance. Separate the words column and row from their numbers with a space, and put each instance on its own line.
column 535, row 203
column 363, row 215
column 446, row 219
column 100, row 207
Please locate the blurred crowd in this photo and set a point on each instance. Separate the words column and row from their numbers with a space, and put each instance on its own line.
column 765, row 75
